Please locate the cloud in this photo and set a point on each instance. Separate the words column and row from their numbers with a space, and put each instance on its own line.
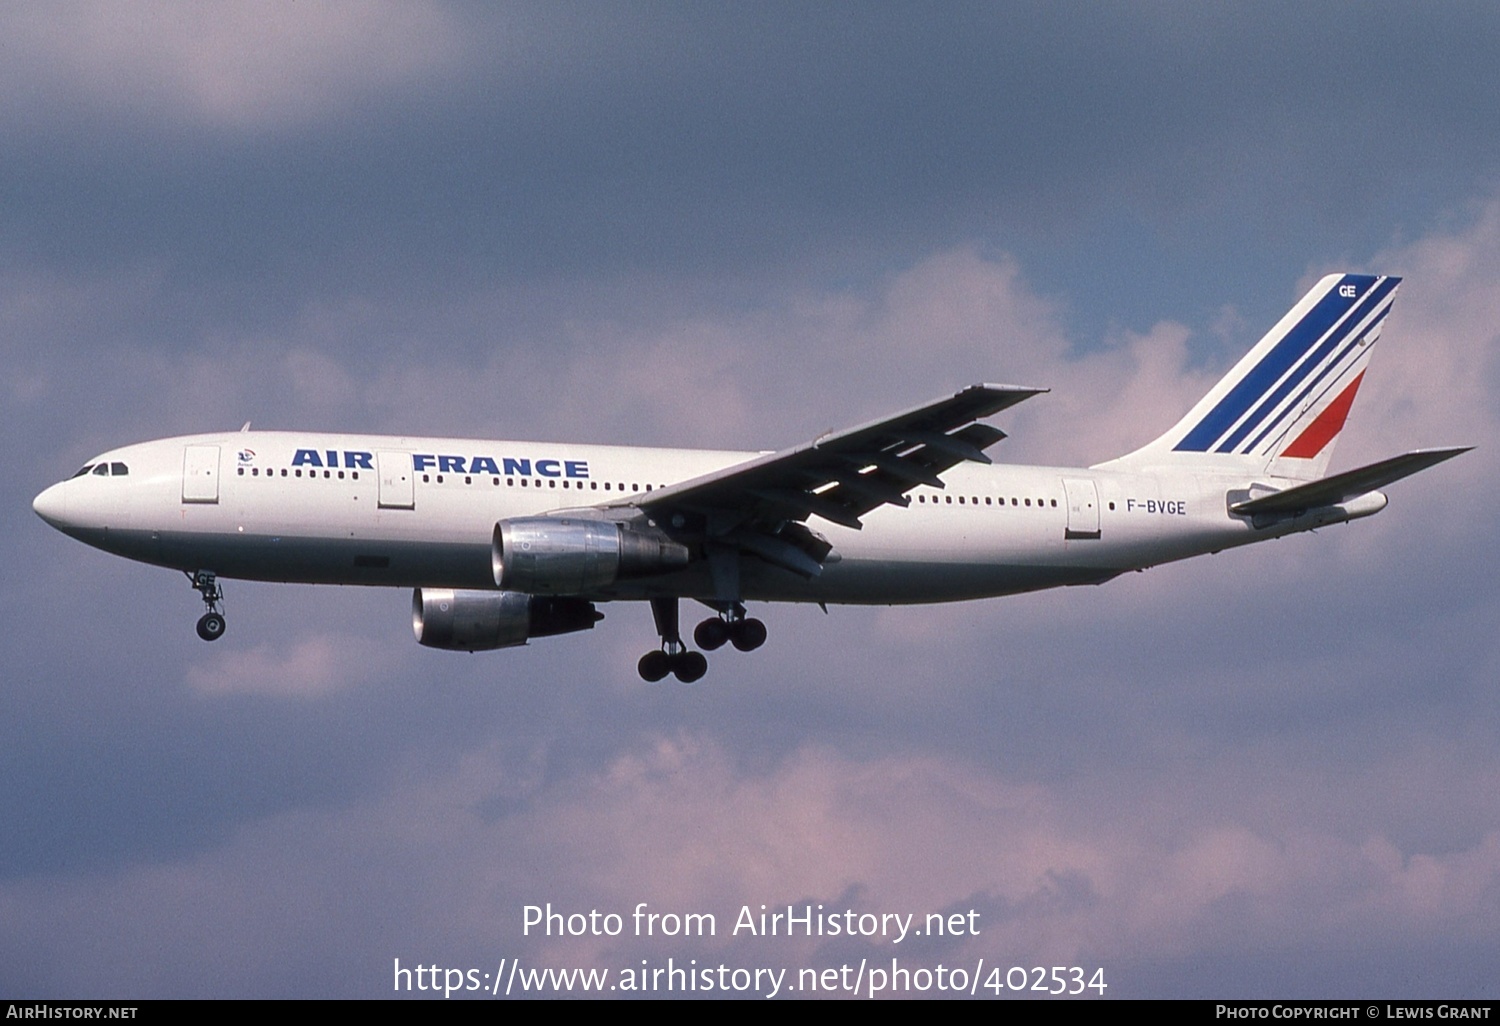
column 1056, row 874
column 1440, row 357
column 310, row 668
column 239, row 67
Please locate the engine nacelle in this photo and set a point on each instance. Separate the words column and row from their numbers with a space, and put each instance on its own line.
column 567, row 556
column 473, row 621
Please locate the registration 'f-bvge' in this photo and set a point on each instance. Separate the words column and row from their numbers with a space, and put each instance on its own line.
column 508, row 541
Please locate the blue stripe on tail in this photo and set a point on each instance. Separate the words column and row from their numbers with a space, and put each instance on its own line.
column 1371, row 302
column 1263, row 376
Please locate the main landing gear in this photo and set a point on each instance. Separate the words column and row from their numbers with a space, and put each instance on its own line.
column 732, row 625
column 210, row 624
column 673, row 656
column 746, row 633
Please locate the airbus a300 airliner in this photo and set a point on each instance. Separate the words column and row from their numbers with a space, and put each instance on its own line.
column 503, row 542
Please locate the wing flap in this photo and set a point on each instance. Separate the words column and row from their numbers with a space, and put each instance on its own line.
column 777, row 551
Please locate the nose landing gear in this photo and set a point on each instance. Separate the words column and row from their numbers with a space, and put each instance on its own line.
column 211, row 624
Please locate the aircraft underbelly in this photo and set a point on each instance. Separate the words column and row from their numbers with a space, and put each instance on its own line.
column 312, row 560
column 897, row 582
column 417, row 563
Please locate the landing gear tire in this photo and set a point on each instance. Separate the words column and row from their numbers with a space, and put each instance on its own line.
column 748, row 634
column 656, row 665
column 690, row 666
column 211, row 623
column 711, row 634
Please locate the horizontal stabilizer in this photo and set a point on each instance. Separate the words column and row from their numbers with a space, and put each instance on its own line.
column 1340, row 488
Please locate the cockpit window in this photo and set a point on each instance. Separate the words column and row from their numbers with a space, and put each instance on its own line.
column 104, row 470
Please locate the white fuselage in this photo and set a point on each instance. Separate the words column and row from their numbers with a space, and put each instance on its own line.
column 421, row 512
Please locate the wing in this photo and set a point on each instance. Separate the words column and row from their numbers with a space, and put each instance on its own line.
column 761, row 506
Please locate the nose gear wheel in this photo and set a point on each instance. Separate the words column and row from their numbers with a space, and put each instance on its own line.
column 211, row 624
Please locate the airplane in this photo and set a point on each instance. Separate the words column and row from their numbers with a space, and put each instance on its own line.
column 506, row 541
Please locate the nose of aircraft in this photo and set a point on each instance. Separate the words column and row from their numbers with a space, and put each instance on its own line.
column 52, row 505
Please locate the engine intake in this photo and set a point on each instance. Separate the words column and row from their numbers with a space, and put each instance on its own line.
column 566, row 556
column 473, row 621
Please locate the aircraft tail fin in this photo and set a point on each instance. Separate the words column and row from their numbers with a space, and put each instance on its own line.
column 1279, row 412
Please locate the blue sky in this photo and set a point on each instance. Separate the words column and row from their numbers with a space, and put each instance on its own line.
column 1267, row 773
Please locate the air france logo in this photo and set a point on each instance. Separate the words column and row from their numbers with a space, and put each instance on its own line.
column 330, row 458
column 504, row 466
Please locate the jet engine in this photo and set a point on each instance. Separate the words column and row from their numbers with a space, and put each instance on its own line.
column 470, row 621
column 568, row 556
